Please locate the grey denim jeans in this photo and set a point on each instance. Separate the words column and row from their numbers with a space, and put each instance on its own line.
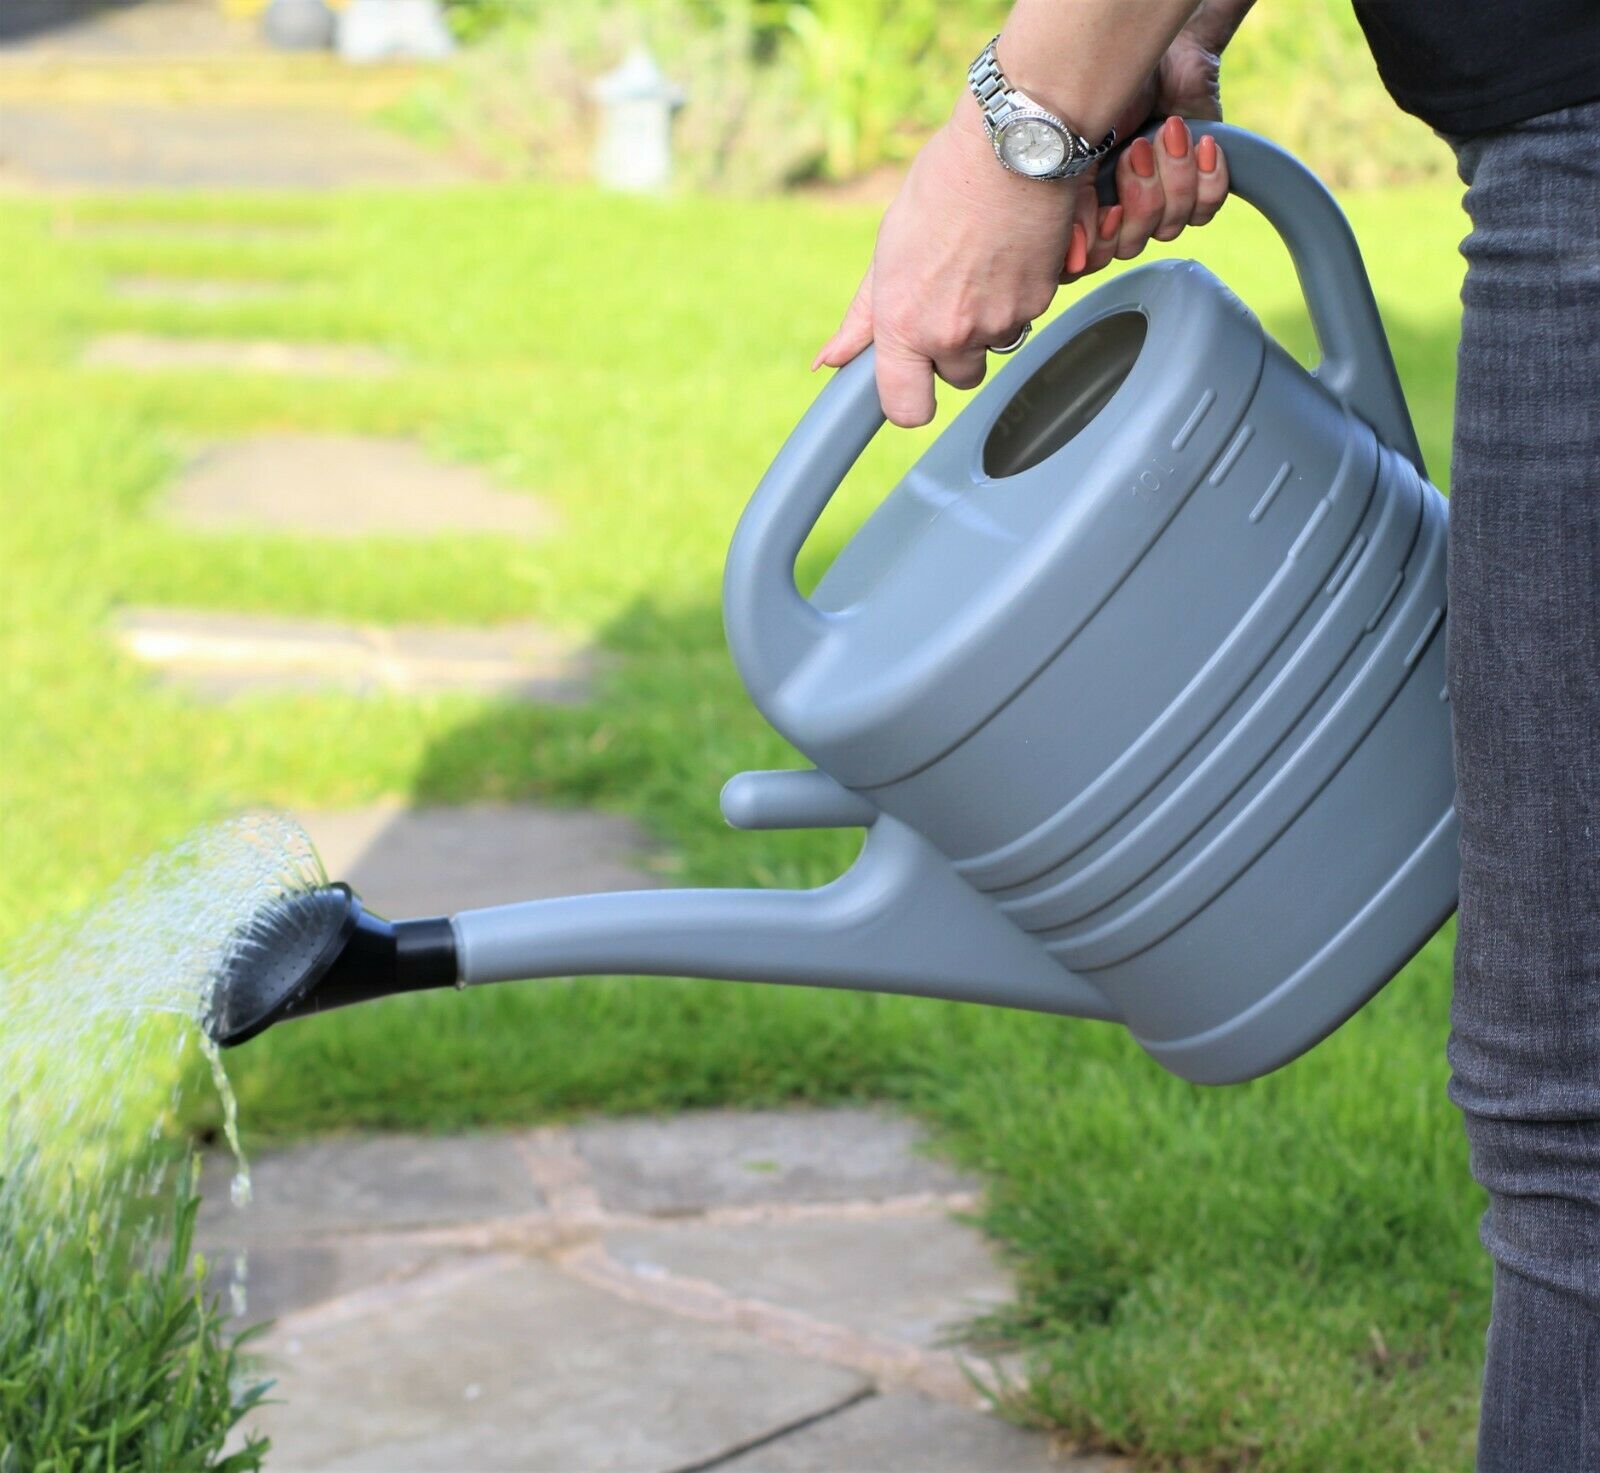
column 1524, row 658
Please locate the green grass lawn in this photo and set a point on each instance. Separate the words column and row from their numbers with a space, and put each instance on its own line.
column 1277, row 1276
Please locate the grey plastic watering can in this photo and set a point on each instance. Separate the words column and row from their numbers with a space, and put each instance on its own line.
column 1136, row 681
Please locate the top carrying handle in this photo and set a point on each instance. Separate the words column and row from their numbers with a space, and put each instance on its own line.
column 770, row 626
column 1357, row 367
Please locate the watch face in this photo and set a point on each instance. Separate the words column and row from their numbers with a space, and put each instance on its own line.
column 1033, row 146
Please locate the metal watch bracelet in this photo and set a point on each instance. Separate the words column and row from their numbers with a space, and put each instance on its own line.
column 1001, row 104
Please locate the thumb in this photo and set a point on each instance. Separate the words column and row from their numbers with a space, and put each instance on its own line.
column 905, row 385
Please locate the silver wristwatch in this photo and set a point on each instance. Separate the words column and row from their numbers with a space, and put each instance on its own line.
column 1028, row 139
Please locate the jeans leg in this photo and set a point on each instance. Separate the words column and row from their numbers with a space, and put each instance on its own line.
column 1524, row 656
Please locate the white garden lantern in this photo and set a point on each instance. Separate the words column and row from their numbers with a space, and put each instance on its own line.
column 634, row 149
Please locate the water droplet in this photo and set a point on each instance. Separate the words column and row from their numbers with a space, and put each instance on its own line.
column 238, row 1286
column 239, row 1188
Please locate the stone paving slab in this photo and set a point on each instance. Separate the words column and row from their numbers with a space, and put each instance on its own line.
column 166, row 30
column 716, row 1158
column 128, row 145
column 911, row 1279
column 151, row 353
column 516, row 1366
column 220, row 656
column 344, row 486
column 436, row 861
column 364, row 1183
column 910, row 1434
column 195, row 291
column 282, row 1278
column 484, row 1302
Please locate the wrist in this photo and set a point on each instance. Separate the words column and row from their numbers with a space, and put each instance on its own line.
column 983, row 173
column 1080, row 104
column 967, row 124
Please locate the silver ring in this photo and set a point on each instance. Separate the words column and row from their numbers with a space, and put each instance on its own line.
column 1016, row 342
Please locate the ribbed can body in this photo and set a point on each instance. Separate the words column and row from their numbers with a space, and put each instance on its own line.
column 1214, row 799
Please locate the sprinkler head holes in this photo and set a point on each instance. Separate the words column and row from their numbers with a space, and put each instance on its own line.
column 276, row 958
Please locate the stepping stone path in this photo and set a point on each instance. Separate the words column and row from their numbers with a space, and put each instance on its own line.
column 219, row 656
column 150, row 353
column 436, row 861
column 752, row 1291
column 344, row 486
column 349, row 486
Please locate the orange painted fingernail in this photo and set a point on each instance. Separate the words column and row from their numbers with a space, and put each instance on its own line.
column 1205, row 154
column 1111, row 223
column 1175, row 134
column 1078, row 251
column 1143, row 158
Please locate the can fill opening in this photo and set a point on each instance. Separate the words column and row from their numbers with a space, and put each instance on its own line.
column 1063, row 395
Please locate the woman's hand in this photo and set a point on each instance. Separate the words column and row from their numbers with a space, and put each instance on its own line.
column 1161, row 189
column 969, row 253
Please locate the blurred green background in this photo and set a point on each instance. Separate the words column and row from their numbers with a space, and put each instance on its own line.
column 833, row 89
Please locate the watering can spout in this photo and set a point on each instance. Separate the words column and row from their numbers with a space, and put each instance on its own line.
column 899, row 921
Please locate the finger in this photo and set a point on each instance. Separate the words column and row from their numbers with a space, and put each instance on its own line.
column 1212, row 182
column 905, row 385
column 1077, row 252
column 1179, row 178
column 1103, row 244
column 1086, row 211
column 854, row 333
column 1139, row 190
column 963, row 370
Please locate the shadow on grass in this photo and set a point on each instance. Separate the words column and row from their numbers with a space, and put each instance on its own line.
column 670, row 724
